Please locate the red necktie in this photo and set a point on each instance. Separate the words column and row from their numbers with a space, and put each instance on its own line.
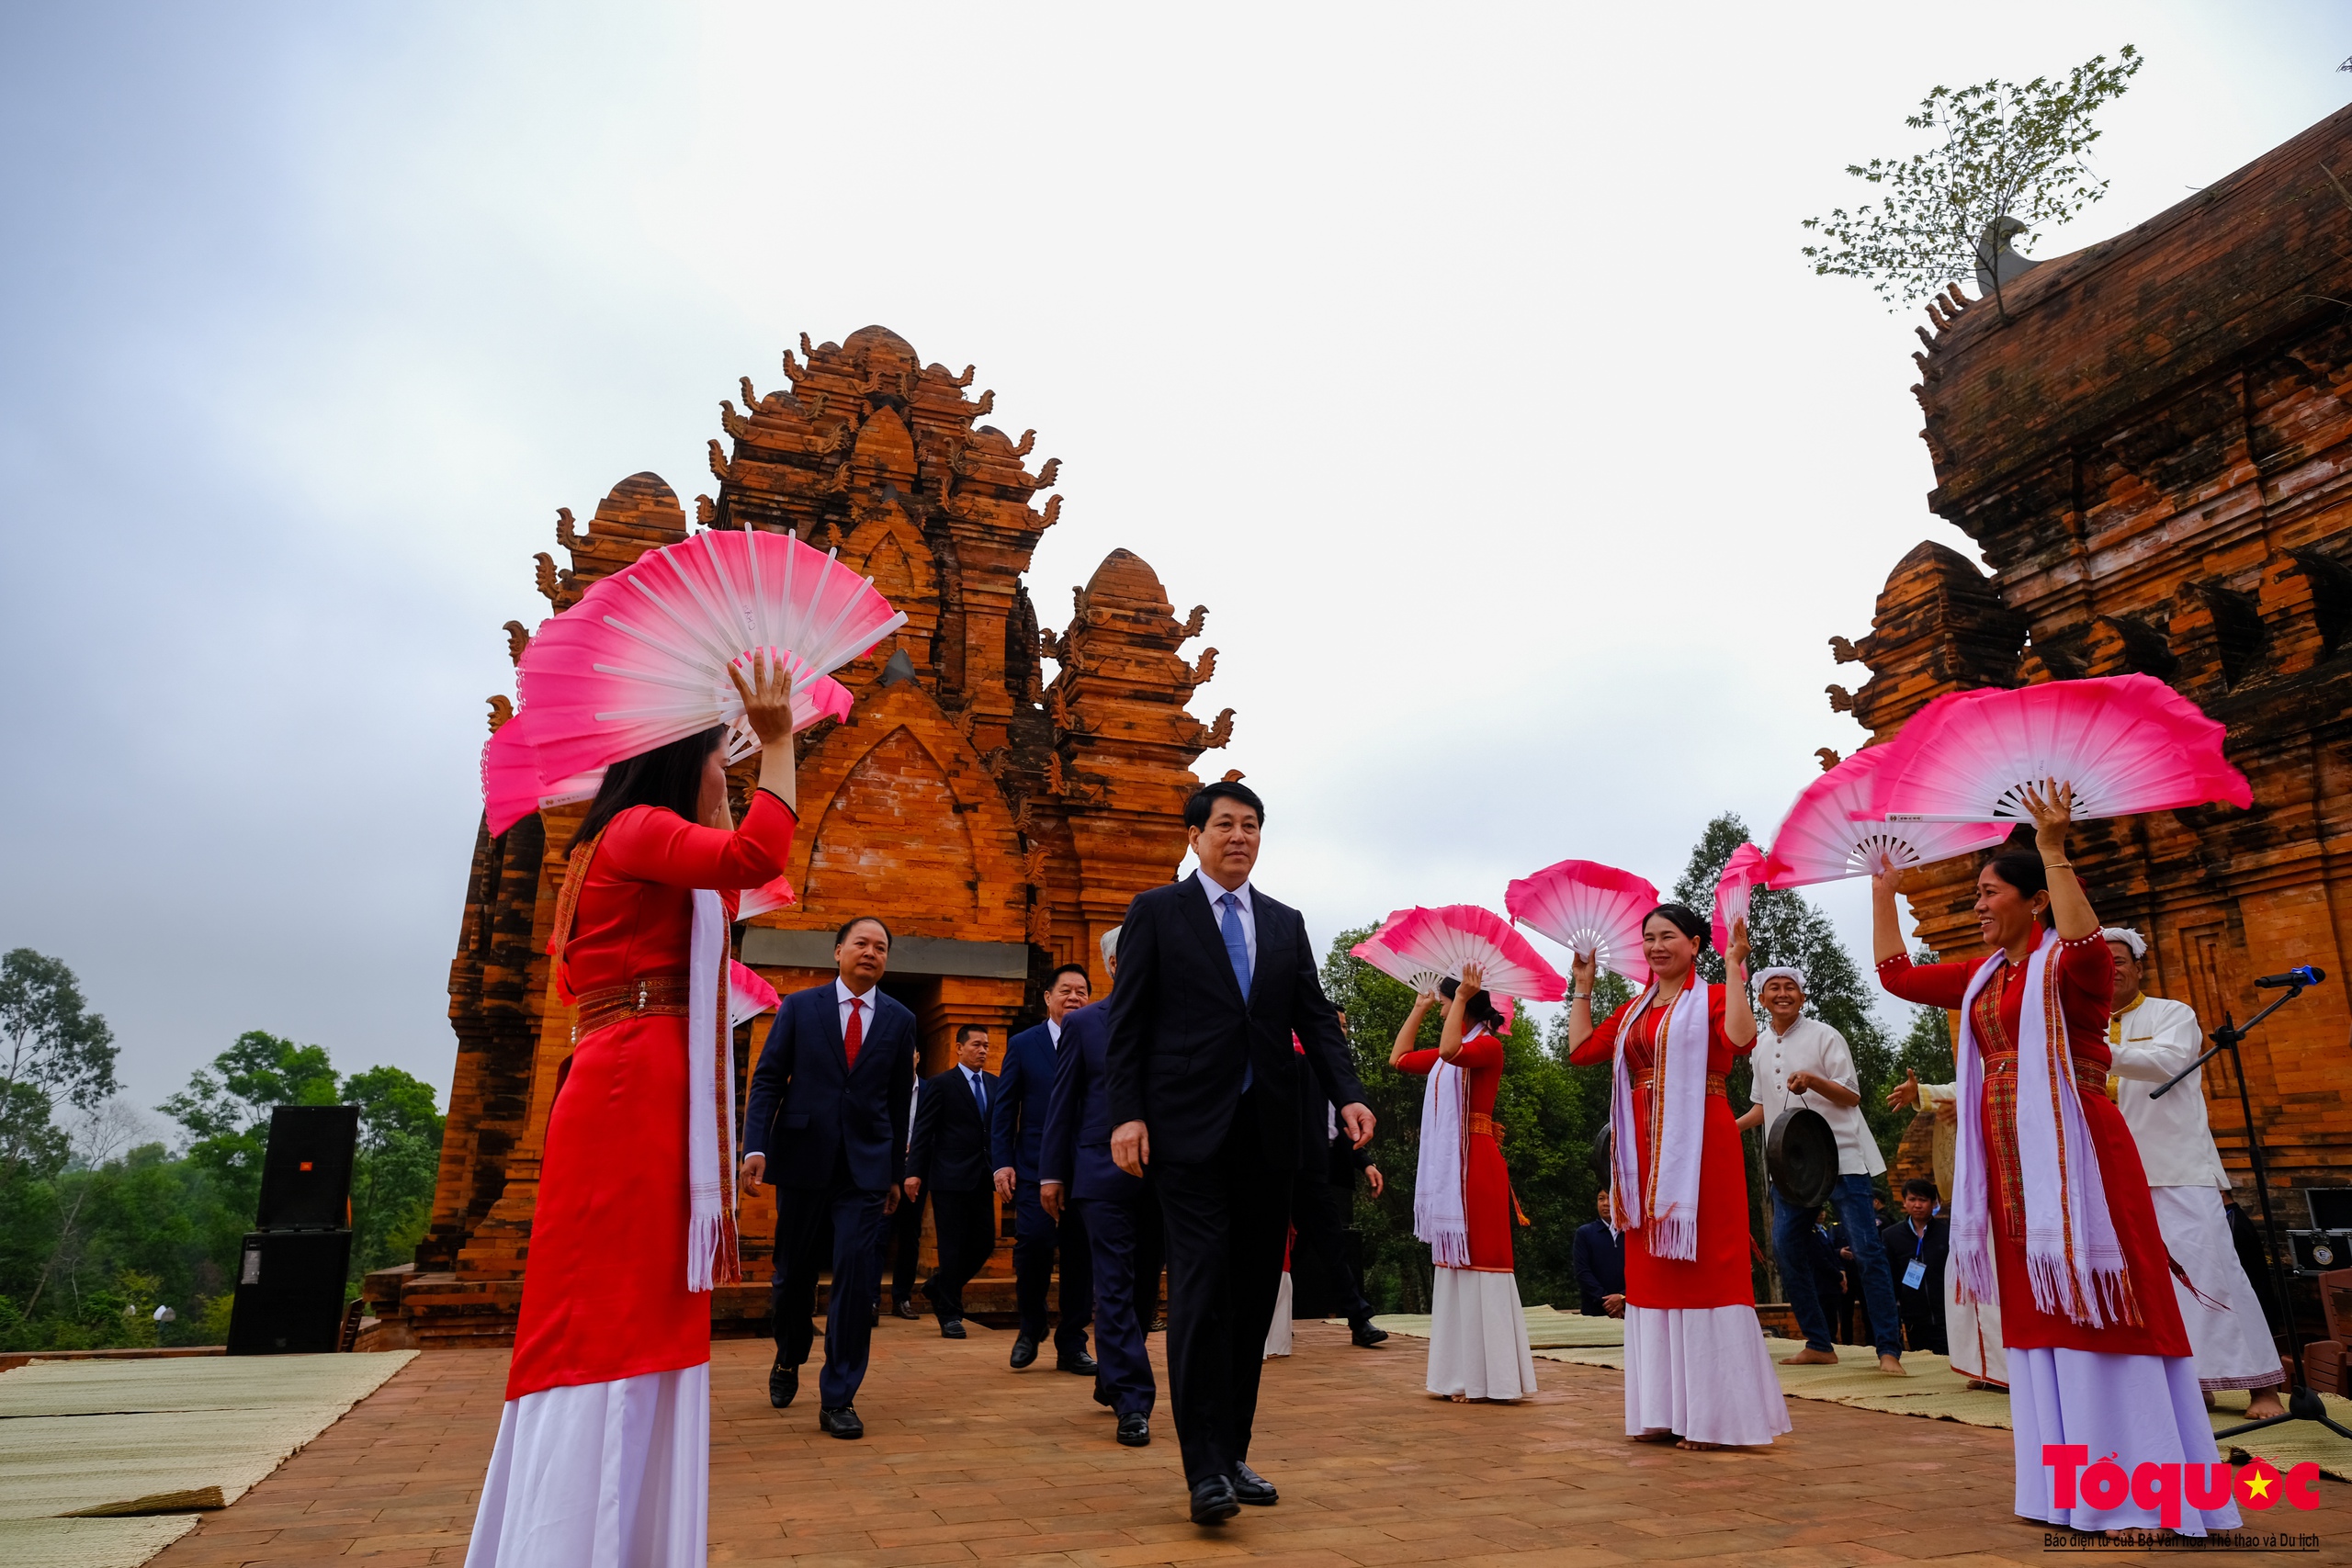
column 856, row 1033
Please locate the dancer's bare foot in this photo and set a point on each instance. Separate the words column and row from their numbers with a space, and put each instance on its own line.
column 2263, row 1404
column 1698, row 1447
column 1653, row 1438
column 2209, row 1400
column 1459, row 1398
column 1809, row 1357
column 1892, row 1366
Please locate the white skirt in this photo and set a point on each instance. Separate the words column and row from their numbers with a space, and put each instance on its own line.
column 2227, row 1337
column 1703, row 1373
column 1974, row 1332
column 1478, row 1337
column 2141, row 1409
column 600, row 1475
column 1278, row 1331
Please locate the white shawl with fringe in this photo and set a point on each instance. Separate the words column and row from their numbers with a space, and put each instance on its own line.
column 1440, row 1213
column 711, row 1253
column 1667, row 1207
column 2073, row 1259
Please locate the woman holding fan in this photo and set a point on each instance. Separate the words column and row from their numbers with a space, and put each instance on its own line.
column 604, row 1448
column 2050, row 1204
column 1462, row 1199
column 1695, row 1364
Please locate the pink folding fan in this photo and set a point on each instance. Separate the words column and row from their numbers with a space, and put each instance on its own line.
column 1741, row 874
column 1422, row 947
column 759, row 900
column 1591, row 907
column 2127, row 743
column 748, row 996
column 643, row 658
column 1829, row 834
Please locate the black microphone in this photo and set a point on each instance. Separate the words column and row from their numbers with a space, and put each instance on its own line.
column 2305, row 976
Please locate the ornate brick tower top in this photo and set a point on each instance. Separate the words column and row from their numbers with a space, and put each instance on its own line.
column 1000, row 825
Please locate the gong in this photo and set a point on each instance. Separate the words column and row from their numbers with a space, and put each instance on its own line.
column 1800, row 1154
column 1604, row 1149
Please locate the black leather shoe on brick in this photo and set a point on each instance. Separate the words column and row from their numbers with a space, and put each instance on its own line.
column 952, row 1330
column 783, row 1382
column 1364, row 1334
column 1077, row 1363
column 1212, row 1501
column 843, row 1423
column 1024, row 1352
column 906, row 1309
column 1250, row 1487
column 1135, row 1430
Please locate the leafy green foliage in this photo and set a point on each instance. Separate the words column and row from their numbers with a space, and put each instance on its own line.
column 2009, row 161
column 100, row 1223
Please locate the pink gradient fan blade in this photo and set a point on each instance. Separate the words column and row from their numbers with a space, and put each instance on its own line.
column 512, row 785
column 1422, row 947
column 748, row 996
column 642, row 660
column 1822, row 840
column 777, row 894
column 1593, row 908
column 1733, row 889
column 2127, row 743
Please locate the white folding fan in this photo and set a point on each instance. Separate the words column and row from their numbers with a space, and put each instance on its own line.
column 1822, row 839
column 1593, row 908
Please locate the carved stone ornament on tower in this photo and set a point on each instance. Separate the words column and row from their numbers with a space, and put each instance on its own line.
column 998, row 820
column 2153, row 453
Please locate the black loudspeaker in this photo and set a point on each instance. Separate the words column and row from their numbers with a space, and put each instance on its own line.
column 306, row 1176
column 2330, row 1207
column 289, row 1293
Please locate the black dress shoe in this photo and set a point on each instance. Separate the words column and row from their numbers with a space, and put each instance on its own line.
column 1076, row 1362
column 1364, row 1334
column 953, row 1328
column 843, row 1423
column 1024, row 1350
column 1134, row 1430
column 783, row 1382
column 906, row 1309
column 1212, row 1501
column 1253, row 1488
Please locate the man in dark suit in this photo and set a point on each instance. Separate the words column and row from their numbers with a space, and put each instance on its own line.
column 1019, row 1126
column 1214, row 978
column 1916, row 1247
column 1119, row 1221
column 1322, row 1207
column 827, row 1121
column 1600, row 1258
column 949, row 1162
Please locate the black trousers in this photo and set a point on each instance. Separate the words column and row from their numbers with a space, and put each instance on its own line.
column 801, row 1216
column 966, row 1226
column 1036, row 1241
column 1316, row 1207
column 1124, row 1237
column 1225, row 1222
column 902, row 1239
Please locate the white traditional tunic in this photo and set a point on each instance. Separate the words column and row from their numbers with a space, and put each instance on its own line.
column 2152, row 1039
column 1811, row 1046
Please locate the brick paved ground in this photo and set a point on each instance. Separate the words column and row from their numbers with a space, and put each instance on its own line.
column 968, row 1461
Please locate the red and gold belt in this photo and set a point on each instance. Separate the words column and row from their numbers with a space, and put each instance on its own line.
column 1481, row 1123
column 663, row 996
column 1716, row 1083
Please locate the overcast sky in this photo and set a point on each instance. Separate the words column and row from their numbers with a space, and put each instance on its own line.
column 1459, row 358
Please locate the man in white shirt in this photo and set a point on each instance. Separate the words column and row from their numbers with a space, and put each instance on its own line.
column 1800, row 1061
column 2152, row 1039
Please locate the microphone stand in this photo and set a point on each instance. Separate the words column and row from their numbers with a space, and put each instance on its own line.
column 2303, row 1403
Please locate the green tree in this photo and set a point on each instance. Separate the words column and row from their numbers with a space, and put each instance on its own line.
column 399, row 1155
column 226, row 1107
column 55, row 1049
column 2007, row 158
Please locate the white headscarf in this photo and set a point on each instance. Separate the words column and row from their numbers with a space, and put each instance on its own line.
column 2128, row 937
column 1784, row 972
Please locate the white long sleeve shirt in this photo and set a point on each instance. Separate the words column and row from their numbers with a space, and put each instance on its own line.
column 2152, row 1040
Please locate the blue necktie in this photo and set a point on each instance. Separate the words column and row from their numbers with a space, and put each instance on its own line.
column 1237, row 950
column 979, row 1094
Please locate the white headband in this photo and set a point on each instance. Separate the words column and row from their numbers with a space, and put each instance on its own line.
column 1783, row 973
column 2128, row 937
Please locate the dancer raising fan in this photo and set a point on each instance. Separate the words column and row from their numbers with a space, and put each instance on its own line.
column 603, row 1449
column 1462, row 1201
column 1695, row 1365
column 2050, row 1202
